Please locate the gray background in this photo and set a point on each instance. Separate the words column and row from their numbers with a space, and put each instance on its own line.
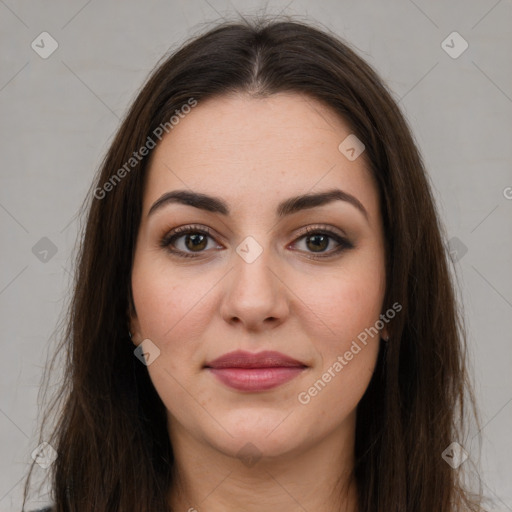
column 59, row 115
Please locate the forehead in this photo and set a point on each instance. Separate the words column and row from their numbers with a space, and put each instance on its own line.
column 254, row 152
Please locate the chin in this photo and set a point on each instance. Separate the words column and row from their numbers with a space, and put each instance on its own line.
column 266, row 435
column 253, row 447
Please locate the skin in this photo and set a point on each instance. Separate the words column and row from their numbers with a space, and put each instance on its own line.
column 255, row 153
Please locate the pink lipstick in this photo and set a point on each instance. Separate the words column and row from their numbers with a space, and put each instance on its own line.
column 246, row 371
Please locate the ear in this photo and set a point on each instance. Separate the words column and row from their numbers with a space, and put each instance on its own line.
column 384, row 332
column 133, row 323
column 135, row 331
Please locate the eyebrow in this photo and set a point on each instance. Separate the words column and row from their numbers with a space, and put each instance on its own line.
column 287, row 207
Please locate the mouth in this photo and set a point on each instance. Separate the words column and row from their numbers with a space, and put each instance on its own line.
column 245, row 371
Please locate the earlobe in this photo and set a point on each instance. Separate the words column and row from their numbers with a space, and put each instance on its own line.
column 133, row 323
column 134, row 330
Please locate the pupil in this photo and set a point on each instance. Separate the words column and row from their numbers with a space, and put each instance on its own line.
column 196, row 240
column 316, row 244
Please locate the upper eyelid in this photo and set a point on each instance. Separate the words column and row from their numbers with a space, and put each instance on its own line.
column 191, row 228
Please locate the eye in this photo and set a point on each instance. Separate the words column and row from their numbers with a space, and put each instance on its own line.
column 318, row 238
column 196, row 238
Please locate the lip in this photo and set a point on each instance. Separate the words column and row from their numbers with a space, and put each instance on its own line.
column 246, row 371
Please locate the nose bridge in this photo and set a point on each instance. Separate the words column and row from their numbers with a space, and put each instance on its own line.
column 253, row 267
column 255, row 292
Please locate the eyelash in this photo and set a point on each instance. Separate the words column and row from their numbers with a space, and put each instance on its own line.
column 177, row 233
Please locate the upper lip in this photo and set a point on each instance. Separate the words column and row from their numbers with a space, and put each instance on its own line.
column 243, row 359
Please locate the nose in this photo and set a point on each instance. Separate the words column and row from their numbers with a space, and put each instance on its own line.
column 255, row 294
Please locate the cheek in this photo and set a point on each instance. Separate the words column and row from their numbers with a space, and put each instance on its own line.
column 165, row 302
column 170, row 313
column 333, row 394
column 347, row 344
column 342, row 311
column 340, row 305
column 174, row 310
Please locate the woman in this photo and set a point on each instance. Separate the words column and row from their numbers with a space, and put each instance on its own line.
column 264, row 317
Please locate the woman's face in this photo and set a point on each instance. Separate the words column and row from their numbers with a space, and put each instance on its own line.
column 257, row 281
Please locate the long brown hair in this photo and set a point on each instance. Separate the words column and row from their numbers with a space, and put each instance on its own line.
column 113, row 447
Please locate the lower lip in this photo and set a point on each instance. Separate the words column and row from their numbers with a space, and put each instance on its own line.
column 256, row 379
